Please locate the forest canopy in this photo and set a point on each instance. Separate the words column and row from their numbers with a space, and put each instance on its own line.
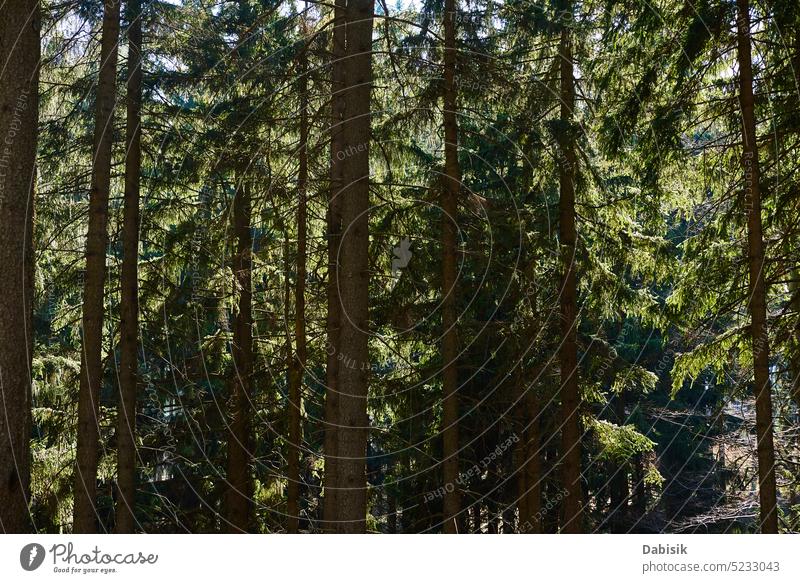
column 458, row 266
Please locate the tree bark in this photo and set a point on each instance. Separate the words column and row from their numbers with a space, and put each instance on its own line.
column 451, row 505
column 794, row 359
column 239, row 494
column 334, row 230
column 91, row 379
column 19, row 117
column 757, row 287
column 570, row 392
column 530, row 479
column 354, row 271
column 129, row 305
column 299, row 362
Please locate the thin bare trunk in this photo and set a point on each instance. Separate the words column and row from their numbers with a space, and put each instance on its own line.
column 758, row 288
column 299, row 362
column 451, row 507
column 238, row 507
column 570, row 392
column 91, row 376
column 19, row 116
column 334, row 228
column 129, row 305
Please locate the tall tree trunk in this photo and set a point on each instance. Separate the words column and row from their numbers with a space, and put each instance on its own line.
column 794, row 281
column 758, row 289
column 91, row 380
column 451, row 506
column 570, row 393
column 794, row 359
column 531, row 497
column 334, row 230
column 129, row 308
column 354, row 271
column 240, row 488
column 299, row 362
column 19, row 117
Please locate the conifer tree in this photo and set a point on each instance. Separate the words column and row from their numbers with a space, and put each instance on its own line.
column 129, row 281
column 19, row 115
column 91, row 378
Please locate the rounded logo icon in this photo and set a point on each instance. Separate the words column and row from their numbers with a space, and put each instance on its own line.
column 31, row 556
